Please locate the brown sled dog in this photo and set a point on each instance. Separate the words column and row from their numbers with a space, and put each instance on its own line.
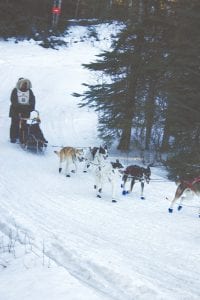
column 70, row 155
column 187, row 187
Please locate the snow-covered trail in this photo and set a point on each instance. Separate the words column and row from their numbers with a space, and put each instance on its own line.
column 107, row 245
column 129, row 250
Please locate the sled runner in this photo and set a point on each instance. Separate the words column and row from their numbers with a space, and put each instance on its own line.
column 30, row 135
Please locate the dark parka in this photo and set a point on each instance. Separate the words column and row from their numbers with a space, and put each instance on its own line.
column 16, row 108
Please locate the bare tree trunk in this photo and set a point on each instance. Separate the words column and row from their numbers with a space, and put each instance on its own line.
column 166, row 135
column 149, row 114
column 77, row 8
column 125, row 139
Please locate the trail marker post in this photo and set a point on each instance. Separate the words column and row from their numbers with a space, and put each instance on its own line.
column 56, row 11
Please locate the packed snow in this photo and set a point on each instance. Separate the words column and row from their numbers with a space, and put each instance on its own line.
column 57, row 240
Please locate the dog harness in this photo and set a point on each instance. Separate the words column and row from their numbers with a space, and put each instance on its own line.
column 190, row 183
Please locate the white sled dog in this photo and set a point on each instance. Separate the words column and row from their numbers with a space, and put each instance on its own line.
column 107, row 171
column 94, row 156
column 70, row 155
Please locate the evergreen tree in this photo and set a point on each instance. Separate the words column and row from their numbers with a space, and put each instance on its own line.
column 183, row 109
column 133, row 70
column 184, row 82
column 24, row 17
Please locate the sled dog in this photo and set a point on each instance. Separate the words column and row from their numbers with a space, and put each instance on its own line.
column 135, row 173
column 70, row 155
column 186, row 189
column 107, row 171
column 94, row 156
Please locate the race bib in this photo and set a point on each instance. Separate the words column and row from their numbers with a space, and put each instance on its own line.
column 23, row 97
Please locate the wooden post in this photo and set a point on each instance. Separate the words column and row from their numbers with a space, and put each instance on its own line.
column 77, row 8
column 56, row 11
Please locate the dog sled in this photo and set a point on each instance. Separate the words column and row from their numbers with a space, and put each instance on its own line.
column 30, row 135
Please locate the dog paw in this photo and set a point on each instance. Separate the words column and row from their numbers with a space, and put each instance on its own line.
column 68, row 175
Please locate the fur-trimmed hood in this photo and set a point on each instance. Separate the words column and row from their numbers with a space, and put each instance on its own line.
column 21, row 81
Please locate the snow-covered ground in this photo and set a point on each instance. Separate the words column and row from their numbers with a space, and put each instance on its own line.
column 57, row 240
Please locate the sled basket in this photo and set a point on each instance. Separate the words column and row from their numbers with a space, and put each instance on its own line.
column 30, row 134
